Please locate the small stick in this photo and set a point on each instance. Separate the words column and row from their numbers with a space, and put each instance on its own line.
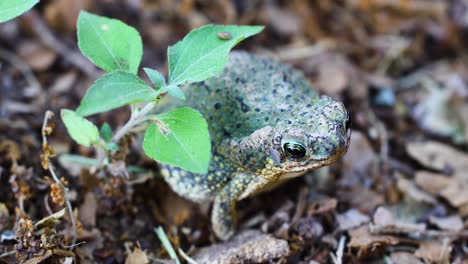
column 6, row 254
column 47, row 116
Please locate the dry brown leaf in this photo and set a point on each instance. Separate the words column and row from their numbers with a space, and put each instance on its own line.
column 435, row 251
column 138, row 256
column 366, row 201
column 351, row 219
column 246, row 247
column 432, row 182
column 385, row 221
column 456, row 193
column 452, row 223
column 366, row 242
column 404, row 258
column 409, row 188
column 439, row 156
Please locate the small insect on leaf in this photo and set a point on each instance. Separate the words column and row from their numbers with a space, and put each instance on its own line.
column 180, row 138
column 209, row 47
column 224, row 35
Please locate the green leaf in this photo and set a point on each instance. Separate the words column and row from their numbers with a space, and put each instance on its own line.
column 111, row 146
column 78, row 160
column 109, row 43
column 173, row 90
column 156, row 77
column 10, row 9
column 203, row 52
column 114, row 90
column 80, row 129
column 180, row 138
column 160, row 84
column 106, row 132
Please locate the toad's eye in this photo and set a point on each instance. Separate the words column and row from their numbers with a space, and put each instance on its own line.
column 348, row 123
column 294, row 151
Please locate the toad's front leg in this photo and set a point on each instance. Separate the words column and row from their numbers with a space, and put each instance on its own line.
column 224, row 214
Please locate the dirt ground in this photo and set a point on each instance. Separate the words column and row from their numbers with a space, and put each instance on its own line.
column 400, row 194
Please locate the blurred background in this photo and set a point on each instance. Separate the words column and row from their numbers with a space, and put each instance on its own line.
column 400, row 67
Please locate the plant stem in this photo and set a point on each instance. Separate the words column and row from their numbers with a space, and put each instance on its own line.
column 48, row 115
column 134, row 120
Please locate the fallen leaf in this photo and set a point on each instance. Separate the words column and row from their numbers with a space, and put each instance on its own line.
column 51, row 220
column 367, row 243
column 247, row 247
column 456, row 193
column 439, row 156
column 432, row 182
column 452, row 223
column 138, row 256
column 435, row 251
column 351, row 219
column 409, row 188
column 437, row 111
column 366, row 201
column 386, row 222
column 404, row 258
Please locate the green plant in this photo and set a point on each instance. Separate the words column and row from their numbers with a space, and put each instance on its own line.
column 179, row 137
column 10, row 9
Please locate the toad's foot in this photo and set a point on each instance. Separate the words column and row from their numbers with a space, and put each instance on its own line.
column 224, row 215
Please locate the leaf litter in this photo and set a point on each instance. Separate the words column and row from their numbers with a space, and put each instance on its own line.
column 398, row 195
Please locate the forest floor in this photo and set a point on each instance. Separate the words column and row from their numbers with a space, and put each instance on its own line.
column 398, row 196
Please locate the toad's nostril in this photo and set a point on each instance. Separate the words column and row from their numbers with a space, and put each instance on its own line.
column 335, row 111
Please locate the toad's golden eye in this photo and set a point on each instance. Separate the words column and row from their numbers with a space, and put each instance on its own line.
column 294, row 150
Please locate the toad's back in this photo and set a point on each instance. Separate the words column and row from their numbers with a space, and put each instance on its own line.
column 251, row 93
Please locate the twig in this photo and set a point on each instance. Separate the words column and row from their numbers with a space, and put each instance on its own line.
column 433, row 234
column 301, row 204
column 47, row 116
column 338, row 258
column 187, row 257
column 6, row 254
column 48, row 39
column 135, row 119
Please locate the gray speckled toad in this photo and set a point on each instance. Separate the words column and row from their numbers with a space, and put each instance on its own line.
column 267, row 125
